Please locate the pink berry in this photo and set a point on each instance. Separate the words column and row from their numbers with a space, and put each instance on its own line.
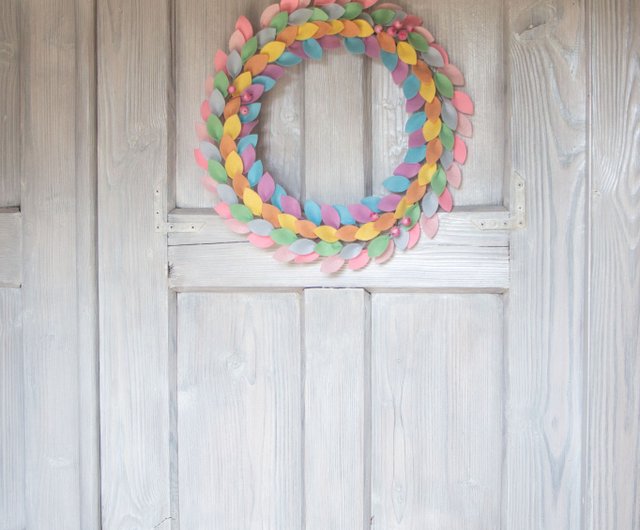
column 410, row 29
column 397, row 24
column 395, row 231
column 378, row 28
column 406, row 221
column 244, row 110
column 392, row 31
column 232, row 89
column 403, row 35
column 246, row 97
column 374, row 216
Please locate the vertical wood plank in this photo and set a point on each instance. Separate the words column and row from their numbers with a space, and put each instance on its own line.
column 437, row 368
column 335, row 120
column 9, row 104
column 337, row 413
column 545, row 304
column 12, row 458
column 612, row 409
column 239, row 411
column 133, row 80
column 202, row 27
column 472, row 33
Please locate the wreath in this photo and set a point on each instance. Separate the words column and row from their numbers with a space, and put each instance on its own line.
column 251, row 200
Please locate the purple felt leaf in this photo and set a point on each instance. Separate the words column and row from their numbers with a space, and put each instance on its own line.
column 253, row 93
column 407, row 170
column 330, row 42
column 266, row 187
column 400, row 73
column 247, row 128
column 291, row 206
column 248, row 157
column 330, row 216
column 416, row 139
column 388, row 203
column 360, row 212
column 415, row 103
column 273, row 71
column 372, row 47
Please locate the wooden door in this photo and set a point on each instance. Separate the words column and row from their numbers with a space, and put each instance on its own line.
column 156, row 371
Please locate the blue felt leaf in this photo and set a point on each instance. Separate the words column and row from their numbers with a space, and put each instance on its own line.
column 416, row 122
column 255, row 173
column 396, row 184
column 313, row 212
column 267, row 82
column 354, row 45
column 312, row 48
column 411, row 87
column 277, row 194
column 390, row 60
column 345, row 215
column 415, row 155
column 371, row 202
column 289, row 59
column 245, row 142
column 254, row 111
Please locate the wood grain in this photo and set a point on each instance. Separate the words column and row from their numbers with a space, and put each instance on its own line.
column 10, row 247
column 337, row 413
column 10, row 103
column 437, row 368
column 239, row 411
column 133, row 81
column 545, row 306
column 612, row 408
column 12, row 454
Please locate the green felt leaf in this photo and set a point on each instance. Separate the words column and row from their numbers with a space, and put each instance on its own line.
column 283, row 236
column 318, row 14
column 214, row 127
column 413, row 213
column 446, row 137
column 378, row 246
column 217, row 171
column 279, row 22
column 241, row 213
column 323, row 248
column 383, row 17
column 439, row 181
column 352, row 10
column 249, row 49
column 221, row 82
column 418, row 42
column 444, row 85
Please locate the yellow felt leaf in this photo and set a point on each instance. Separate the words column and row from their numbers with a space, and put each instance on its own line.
column 287, row 220
column 428, row 91
column 401, row 208
column 252, row 201
column 336, row 27
column 306, row 31
column 327, row 233
column 431, row 129
column 242, row 81
column 365, row 28
column 426, row 172
column 273, row 50
column 407, row 53
column 232, row 126
column 233, row 164
column 367, row 232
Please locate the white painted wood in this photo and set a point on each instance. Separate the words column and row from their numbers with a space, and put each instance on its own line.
column 10, row 247
column 12, row 457
column 337, row 413
column 611, row 461
column 545, row 303
column 133, row 80
column 437, row 410
column 239, row 411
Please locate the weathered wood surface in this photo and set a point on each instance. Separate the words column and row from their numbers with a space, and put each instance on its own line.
column 336, row 408
column 10, row 247
column 437, row 411
column 133, row 121
column 612, row 407
column 545, row 305
column 239, row 411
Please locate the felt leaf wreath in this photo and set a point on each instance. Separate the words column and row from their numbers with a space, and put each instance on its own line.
column 350, row 236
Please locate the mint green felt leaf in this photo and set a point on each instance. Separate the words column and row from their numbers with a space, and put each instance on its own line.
column 352, row 10
column 318, row 14
column 439, row 181
column 413, row 213
column 249, row 49
column 444, row 85
column 279, row 22
column 221, row 82
column 214, row 127
column 283, row 236
column 378, row 246
column 446, row 137
column 383, row 17
column 217, row 171
column 324, row 248
column 418, row 42
column 241, row 213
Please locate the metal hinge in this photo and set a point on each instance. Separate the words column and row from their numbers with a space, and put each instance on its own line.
column 160, row 214
column 517, row 211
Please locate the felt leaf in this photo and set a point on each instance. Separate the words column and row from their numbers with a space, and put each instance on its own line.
column 407, row 53
column 312, row 49
column 418, row 42
column 454, row 175
column 260, row 241
column 332, row 264
column 291, row 206
column 242, row 82
column 256, row 64
column 354, row 45
column 360, row 212
column 318, row 15
column 252, row 201
column 234, row 165
column 426, row 173
column 330, row 216
column 283, row 236
column 313, row 212
column 289, row 221
column 390, row 60
column 265, row 36
column 220, row 61
column 367, row 232
column 462, row 102
column 347, row 233
column 236, row 41
column 400, row 73
column 429, row 204
column 216, row 102
column 371, row 47
column 302, row 247
column 428, row 91
column 411, row 87
column 249, row 160
column 446, row 137
column 396, row 184
column 434, row 151
column 384, row 17
column 444, row 85
column 234, row 63
column 345, row 215
column 279, row 21
column 201, row 131
column 266, row 187
column 464, row 126
column 306, row 228
column 277, row 194
column 273, row 50
column 289, row 5
column 389, row 202
column 300, row 16
column 265, row 81
column 244, row 26
column 236, row 226
column 283, row 255
column 433, row 58
column 232, row 126
column 449, row 115
column 289, row 59
column 415, row 192
column 351, row 250
column 260, row 227
column 326, row 233
column 453, row 73
column 414, row 236
column 210, row 151
column 247, row 141
column 439, row 182
column 365, row 28
column 415, row 122
column 407, row 170
column 200, row 159
column 308, row 258
column 413, row 213
column 324, row 248
column 214, row 127
column 241, row 213
column 217, row 171
column 442, row 51
column 459, row 150
column 249, row 49
column 227, row 194
column 401, row 241
column 333, row 11
column 431, row 129
column 415, row 155
column 446, row 200
column 252, row 113
column 306, row 31
column 378, row 246
column 352, row 10
column 222, row 210
column 240, row 183
column 387, row 43
column 430, row 225
column 415, row 103
column 359, row 262
column 371, row 202
column 388, row 254
column 446, row 159
column 221, row 82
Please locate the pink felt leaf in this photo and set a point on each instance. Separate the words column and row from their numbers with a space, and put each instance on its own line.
column 220, row 61
column 247, row 128
column 307, row 258
column 283, row 255
column 443, row 52
column 296, row 49
column 222, row 209
column 407, row 170
column 412, row 20
column 388, row 203
column 208, row 86
column 266, row 187
column 389, row 5
column 459, row 150
column 270, row 12
column 237, row 41
column 260, row 241
column 425, row 33
column 430, row 225
column 372, row 47
column 201, row 131
column 446, row 200
column 387, row 254
column 332, row 264
column 252, row 94
column 462, row 102
column 367, row 3
column 414, row 236
column 209, row 184
column 330, row 42
column 454, row 175
column 453, row 73
column 248, row 157
column 414, row 104
column 200, row 159
column 244, row 26
column 360, row 212
column 330, row 216
column 288, row 5
column 359, row 261
column 400, row 73
column 304, row 3
column 322, row 2
column 205, row 110
column 273, row 71
column 465, row 128
column 291, row 206
column 416, row 139
column 236, row 226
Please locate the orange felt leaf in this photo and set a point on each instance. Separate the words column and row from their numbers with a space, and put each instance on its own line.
column 306, row 228
column 422, row 71
column 288, row 35
column 433, row 109
column 385, row 221
column 256, row 64
column 387, row 42
column 227, row 146
column 347, row 233
column 323, row 29
column 240, row 183
column 270, row 213
column 232, row 107
column 415, row 192
column 434, row 151
column 351, row 29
